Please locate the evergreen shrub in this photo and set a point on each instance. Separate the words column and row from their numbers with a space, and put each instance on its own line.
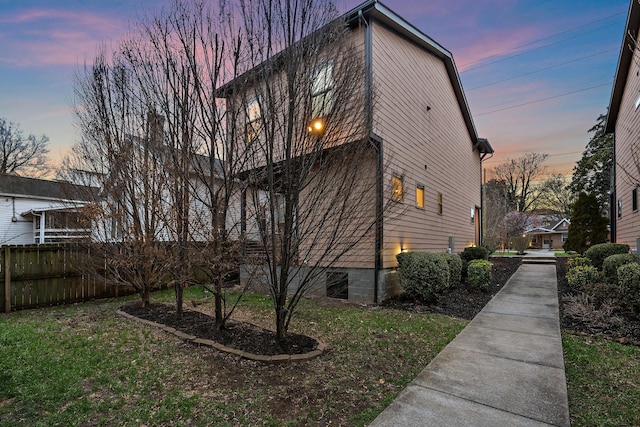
column 582, row 278
column 479, row 274
column 598, row 253
column 611, row 264
column 423, row 275
column 455, row 269
column 629, row 282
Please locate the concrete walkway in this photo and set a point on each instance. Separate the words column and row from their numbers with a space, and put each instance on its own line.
column 504, row 369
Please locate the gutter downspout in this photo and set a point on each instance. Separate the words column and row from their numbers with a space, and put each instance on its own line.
column 375, row 141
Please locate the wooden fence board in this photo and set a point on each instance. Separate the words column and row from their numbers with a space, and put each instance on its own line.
column 41, row 275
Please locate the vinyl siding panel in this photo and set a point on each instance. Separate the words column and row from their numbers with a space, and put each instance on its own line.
column 427, row 142
column 627, row 137
column 20, row 232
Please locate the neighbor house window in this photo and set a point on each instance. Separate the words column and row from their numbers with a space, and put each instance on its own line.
column 565, row 236
column 420, row 196
column 397, row 188
column 634, row 199
column 322, row 91
column 254, row 119
column 439, row 203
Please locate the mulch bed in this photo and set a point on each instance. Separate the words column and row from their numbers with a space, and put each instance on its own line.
column 239, row 335
column 460, row 302
column 627, row 332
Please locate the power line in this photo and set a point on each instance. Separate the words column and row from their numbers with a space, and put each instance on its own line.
column 517, row 48
column 543, row 69
column 553, row 155
column 510, row 107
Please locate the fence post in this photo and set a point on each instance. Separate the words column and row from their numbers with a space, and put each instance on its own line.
column 7, row 279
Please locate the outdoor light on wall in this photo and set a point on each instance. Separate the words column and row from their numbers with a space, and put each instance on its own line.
column 316, row 127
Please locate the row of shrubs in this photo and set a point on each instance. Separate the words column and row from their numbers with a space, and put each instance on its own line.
column 611, row 263
column 425, row 276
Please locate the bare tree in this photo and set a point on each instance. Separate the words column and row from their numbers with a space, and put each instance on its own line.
column 312, row 171
column 181, row 57
column 557, row 196
column 523, row 179
column 121, row 152
column 22, row 155
column 496, row 208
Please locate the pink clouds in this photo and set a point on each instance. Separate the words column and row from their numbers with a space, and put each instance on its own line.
column 54, row 37
column 497, row 42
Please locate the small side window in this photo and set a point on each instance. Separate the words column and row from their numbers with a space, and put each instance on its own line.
column 634, row 199
column 440, row 204
column 420, row 196
column 397, row 188
column 254, row 119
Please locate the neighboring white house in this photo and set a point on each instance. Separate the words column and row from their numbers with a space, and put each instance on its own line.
column 40, row 211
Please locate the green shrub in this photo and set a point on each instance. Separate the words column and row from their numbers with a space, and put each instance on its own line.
column 474, row 252
column 469, row 254
column 598, row 253
column 423, row 275
column 455, row 268
column 479, row 274
column 577, row 261
column 611, row 264
column 629, row 281
column 583, row 277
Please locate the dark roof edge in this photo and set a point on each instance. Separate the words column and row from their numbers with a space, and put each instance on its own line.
column 622, row 70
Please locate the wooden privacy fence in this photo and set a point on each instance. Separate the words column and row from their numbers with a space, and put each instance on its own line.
column 40, row 275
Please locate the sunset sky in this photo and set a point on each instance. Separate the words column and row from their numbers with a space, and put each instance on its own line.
column 536, row 73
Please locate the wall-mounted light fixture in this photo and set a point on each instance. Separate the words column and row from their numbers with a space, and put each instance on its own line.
column 316, row 127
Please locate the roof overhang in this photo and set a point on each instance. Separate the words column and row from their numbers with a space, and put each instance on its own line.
column 40, row 211
column 625, row 58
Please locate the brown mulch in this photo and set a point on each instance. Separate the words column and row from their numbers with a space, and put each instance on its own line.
column 460, row 302
column 239, row 335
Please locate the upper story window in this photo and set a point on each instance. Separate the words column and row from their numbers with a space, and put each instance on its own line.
column 322, row 91
column 634, row 199
column 253, row 119
column 440, row 204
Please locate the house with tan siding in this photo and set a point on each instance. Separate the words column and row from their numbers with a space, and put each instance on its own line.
column 423, row 183
column 624, row 121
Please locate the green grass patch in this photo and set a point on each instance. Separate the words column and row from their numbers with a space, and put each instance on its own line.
column 603, row 381
column 83, row 365
column 504, row 253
